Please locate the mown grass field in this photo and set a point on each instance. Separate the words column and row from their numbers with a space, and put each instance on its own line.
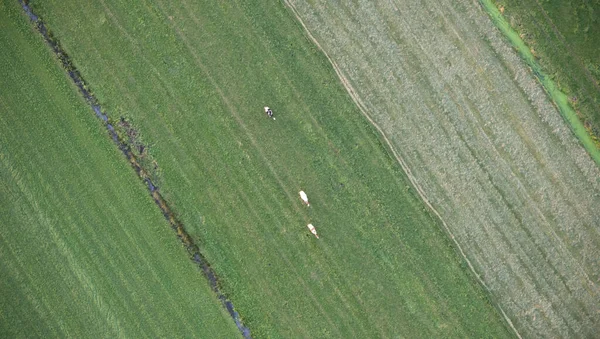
column 565, row 38
column 193, row 78
column 484, row 145
column 84, row 252
column 581, row 130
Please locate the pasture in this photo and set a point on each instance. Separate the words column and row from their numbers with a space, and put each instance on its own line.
column 565, row 38
column 84, row 252
column 482, row 143
column 193, row 78
column 581, row 127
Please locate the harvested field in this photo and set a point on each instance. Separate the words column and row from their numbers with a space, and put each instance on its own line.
column 188, row 79
column 582, row 128
column 84, row 253
column 484, row 145
column 565, row 38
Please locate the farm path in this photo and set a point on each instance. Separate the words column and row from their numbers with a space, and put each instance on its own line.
column 482, row 144
column 194, row 88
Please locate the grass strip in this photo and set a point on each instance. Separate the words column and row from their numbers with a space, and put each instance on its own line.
column 83, row 250
column 560, row 99
column 124, row 147
column 194, row 77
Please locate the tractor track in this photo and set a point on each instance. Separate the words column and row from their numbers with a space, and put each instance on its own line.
column 176, row 225
column 362, row 107
column 501, row 188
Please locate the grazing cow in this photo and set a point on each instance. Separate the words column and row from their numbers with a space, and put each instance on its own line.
column 269, row 112
column 304, row 198
column 312, row 230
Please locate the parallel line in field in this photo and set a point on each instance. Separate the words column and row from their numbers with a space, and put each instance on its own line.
column 41, row 307
column 490, row 180
column 62, row 195
column 110, row 14
column 372, row 143
column 552, row 266
column 234, row 113
column 323, row 135
column 299, row 210
column 86, row 232
column 23, row 268
column 357, row 100
column 520, row 184
column 77, row 272
column 560, row 185
column 170, row 89
column 530, row 143
column 569, row 49
column 275, row 62
column 10, row 259
column 523, row 109
column 419, row 267
column 560, row 241
column 186, row 240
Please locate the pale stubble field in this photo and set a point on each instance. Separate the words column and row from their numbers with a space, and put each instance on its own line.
column 484, row 145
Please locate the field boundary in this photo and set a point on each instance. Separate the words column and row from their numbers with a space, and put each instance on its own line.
column 186, row 240
column 405, row 168
column 558, row 98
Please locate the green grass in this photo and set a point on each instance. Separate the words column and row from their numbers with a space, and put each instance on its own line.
column 84, row 252
column 484, row 145
column 565, row 39
column 569, row 74
column 193, row 78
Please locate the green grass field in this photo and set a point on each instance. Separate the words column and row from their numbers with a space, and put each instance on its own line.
column 193, row 78
column 582, row 130
column 484, row 145
column 565, row 38
column 84, row 252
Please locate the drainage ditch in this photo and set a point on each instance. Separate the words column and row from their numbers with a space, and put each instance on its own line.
column 128, row 148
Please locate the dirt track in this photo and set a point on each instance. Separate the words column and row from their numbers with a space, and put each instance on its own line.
column 483, row 145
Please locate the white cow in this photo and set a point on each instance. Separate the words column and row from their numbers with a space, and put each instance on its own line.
column 312, row 230
column 304, row 198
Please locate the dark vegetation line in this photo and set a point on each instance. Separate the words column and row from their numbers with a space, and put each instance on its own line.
column 143, row 172
column 539, row 39
column 559, row 99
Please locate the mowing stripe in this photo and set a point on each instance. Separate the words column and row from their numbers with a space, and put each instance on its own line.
column 404, row 166
column 558, row 97
column 395, row 64
column 175, row 224
column 290, row 196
